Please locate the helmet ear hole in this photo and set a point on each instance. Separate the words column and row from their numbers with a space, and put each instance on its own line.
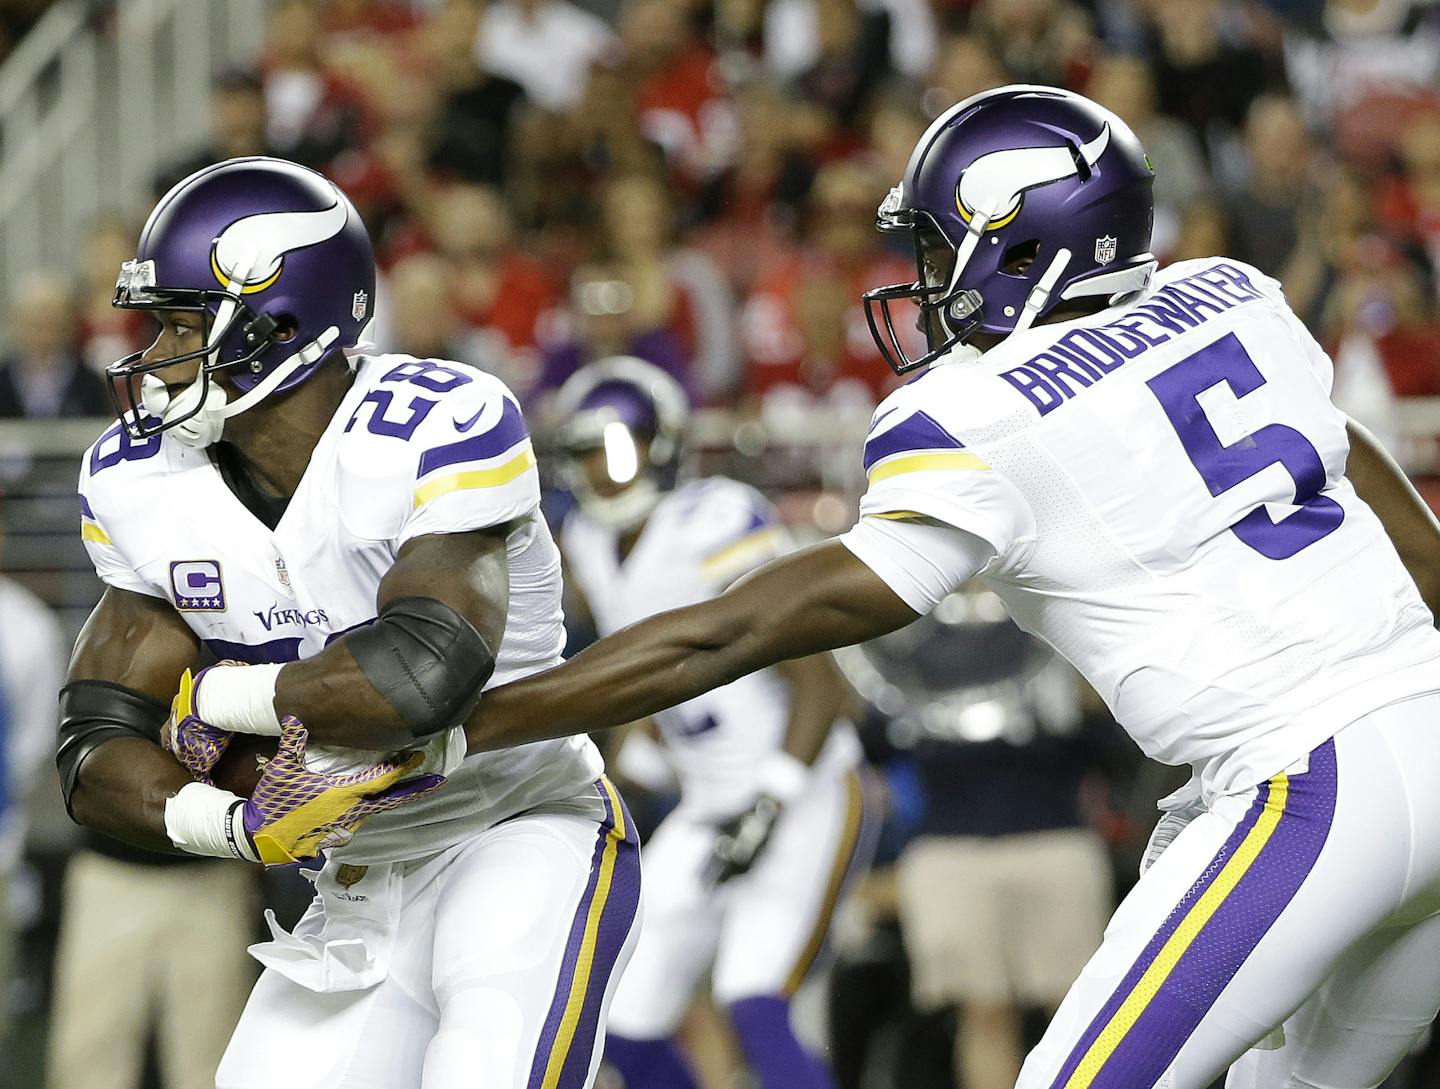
column 286, row 326
column 1020, row 257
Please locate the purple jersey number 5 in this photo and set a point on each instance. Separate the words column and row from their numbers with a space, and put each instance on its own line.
column 1223, row 467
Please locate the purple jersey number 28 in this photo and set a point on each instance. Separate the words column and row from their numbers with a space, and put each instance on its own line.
column 422, row 372
column 1223, row 467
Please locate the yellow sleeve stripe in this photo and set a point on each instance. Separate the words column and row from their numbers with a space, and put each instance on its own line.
column 921, row 463
column 899, row 516
column 91, row 531
column 763, row 541
column 1184, row 935
column 477, row 478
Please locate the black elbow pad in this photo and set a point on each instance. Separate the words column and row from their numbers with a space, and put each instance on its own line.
column 427, row 660
column 94, row 712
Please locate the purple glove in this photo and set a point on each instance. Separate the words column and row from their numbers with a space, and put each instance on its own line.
column 295, row 813
column 196, row 744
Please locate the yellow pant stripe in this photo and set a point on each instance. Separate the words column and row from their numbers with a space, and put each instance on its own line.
column 1185, row 934
column 585, row 961
column 844, row 855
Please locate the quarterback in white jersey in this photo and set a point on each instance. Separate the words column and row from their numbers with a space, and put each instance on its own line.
column 1149, row 472
column 743, row 876
column 364, row 552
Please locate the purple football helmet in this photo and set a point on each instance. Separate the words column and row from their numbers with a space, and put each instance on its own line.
column 607, row 406
column 1018, row 199
column 278, row 258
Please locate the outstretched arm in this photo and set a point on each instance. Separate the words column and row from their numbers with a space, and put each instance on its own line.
column 809, row 601
column 1407, row 519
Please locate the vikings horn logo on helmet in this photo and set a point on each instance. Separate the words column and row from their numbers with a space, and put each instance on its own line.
column 996, row 183
column 252, row 250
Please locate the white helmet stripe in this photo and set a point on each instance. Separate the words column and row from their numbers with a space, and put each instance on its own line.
column 250, row 249
column 993, row 183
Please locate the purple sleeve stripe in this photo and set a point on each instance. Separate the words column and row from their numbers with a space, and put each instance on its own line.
column 917, row 432
column 274, row 652
column 506, row 433
column 758, row 519
column 881, row 418
column 85, row 509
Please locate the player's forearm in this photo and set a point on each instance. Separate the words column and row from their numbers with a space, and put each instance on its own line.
column 122, row 790
column 1407, row 519
column 418, row 669
column 818, row 695
column 810, row 601
column 338, row 704
column 647, row 667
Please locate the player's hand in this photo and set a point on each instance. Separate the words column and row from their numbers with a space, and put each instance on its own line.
column 196, row 744
column 741, row 839
column 295, row 813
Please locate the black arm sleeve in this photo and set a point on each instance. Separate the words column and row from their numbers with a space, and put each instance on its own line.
column 427, row 660
column 94, row 712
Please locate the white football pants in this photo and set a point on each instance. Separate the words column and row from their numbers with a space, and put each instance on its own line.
column 1315, row 892
column 506, row 951
column 763, row 930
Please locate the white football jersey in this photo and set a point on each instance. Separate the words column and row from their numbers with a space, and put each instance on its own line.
column 699, row 539
column 1163, row 485
column 417, row 447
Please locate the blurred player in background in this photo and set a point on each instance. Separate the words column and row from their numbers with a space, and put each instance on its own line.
column 743, row 876
column 1147, row 468
column 31, row 657
column 263, row 498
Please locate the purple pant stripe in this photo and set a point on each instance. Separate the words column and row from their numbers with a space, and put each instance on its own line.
column 1228, row 938
column 1152, row 950
column 617, row 916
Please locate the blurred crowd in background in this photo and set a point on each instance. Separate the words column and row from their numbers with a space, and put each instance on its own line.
column 694, row 182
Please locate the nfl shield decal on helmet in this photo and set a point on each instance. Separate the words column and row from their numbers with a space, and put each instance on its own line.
column 358, row 306
column 1105, row 249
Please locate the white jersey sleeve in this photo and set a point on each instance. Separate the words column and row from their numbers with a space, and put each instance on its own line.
column 98, row 499
column 466, row 463
column 739, row 530
column 921, row 561
column 914, row 466
column 477, row 480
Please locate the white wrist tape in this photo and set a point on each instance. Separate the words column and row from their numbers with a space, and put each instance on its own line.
column 240, row 699
column 205, row 820
column 783, row 777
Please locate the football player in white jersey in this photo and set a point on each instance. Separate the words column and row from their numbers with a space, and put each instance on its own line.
column 361, row 534
column 743, row 876
column 1148, row 469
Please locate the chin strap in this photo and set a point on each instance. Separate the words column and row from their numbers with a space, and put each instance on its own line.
column 1040, row 293
column 311, row 353
column 206, row 425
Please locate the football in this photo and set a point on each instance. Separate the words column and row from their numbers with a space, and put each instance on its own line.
column 238, row 770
